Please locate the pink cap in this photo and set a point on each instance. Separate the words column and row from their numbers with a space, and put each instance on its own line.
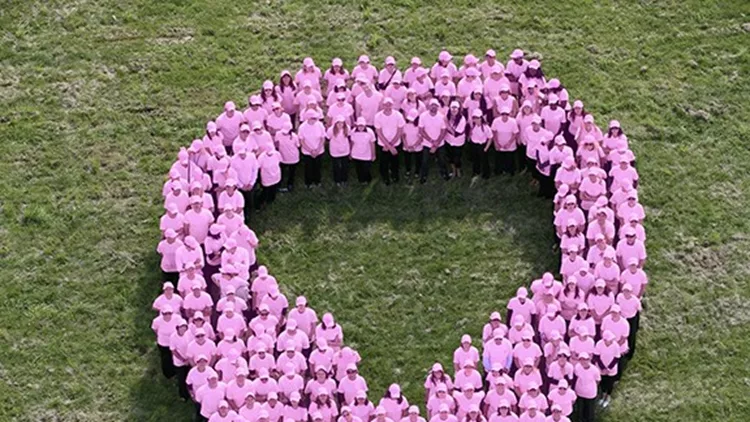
column 390, row 60
column 536, row 119
column 589, row 118
column 613, row 124
column 444, row 56
column 534, row 64
column 477, row 113
column 229, row 105
column 255, row 100
column 466, row 338
column 337, row 62
column 578, row 104
column 437, row 367
column 413, row 410
column 434, row 101
column 421, row 72
column 394, row 390
column 267, row 85
column 211, row 127
column 490, row 53
column 496, row 69
column 388, row 100
column 516, row 54
column 380, row 410
column 301, row 300
column 170, row 234
column 470, row 59
column 553, row 99
column 416, row 60
column 522, row 293
column 553, row 83
column 308, row 62
column 361, row 121
column 472, row 72
column 363, row 59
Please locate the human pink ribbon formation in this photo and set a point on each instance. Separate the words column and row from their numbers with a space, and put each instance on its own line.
column 241, row 353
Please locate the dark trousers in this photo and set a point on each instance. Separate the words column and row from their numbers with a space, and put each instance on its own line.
column 413, row 157
column 546, row 186
column 172, row 277
column 198, row 416
column 634, row 323
column 608, row 383
column 505, row 162
column 288, row 171
column 363, row 170
column 388, row 166
column 312, row 169
column 454, row 155
column 167, row 367
column 249, row 196
column 480, row 161
column 439, row 155
column 340, row 169
column 586, row 409
column 182, row 372
column 267, row 195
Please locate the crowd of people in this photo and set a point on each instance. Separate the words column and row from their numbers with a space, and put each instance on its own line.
column 241, row 352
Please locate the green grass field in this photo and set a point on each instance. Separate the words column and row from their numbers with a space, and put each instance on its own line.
column 97, row 96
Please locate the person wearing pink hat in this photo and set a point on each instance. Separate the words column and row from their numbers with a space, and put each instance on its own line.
column 526, row 375
column 269, row 96
column 411, row 141
column 178, row 343
column 168, row 248
column 251, row 409
column 305, row 317
column 230, row 196
column 351, row 384
column 229, row 351
column 269, row 161
column 189, row 253
column 334, row 74
column 504, row 100
column 201, row 346
column 497, row 351
column 587, row 378
column 445, row 87
column 255, row 112
column 607, row 356
column 213, row 139
column 312, row 138
column 362, row 149
column 330, row 331
column 533, row 396
column 168, row 297
column 516, row 67
column 164, row 325
column 413, row 415
column 361, row 407
column 490, row 61
column 608, row 270
column 339, row 147
column 599, row 227
column 288, row 144
column 440, row 399
column 444, row 414
column 433, row 130
column 368, row 103
column 388, row 73
column 505, row 141
column 228, row 123
column 365, row 69
column 436, row 377
column 534, row 74
column 553, row 116
column 465, row 351
column 230, row 218
column 340, row 107
column 599, row 300
column 522, row 306
column 443, row 64
column 286, row 90
column 410, row 74
column 455, row 137
column 198, row 375
column 536, row 138
column 198, row 322
column 178, row 198
column 470, row 82
column 480, row 137
column 615, row 138
column 342, row 359
column 209, row 397
column 389, row 126
column 470, row 62
column 394, row 403
column 293, row 411
column 630, row 309
column 309, row 73
column 224, row 413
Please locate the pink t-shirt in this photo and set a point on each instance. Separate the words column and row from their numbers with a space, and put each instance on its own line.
column 368, row 105
column 504, row 131
column 164, row 329
column 588, row 380
column 553, row 119
column 288, row 145
column 198, row 223
column 338, row 145
column 168, row 253
column 228, row 126
column 312, row 136
column 389, row 124
column 270, row 167
column 209, row 398
column 349, row 387
column 433, row 125
column 196, row 377
column 362, row 142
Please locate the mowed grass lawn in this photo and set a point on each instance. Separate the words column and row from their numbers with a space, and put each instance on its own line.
column 97, row 96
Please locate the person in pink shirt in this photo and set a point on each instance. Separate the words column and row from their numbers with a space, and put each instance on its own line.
column 607, row 357
column 198, row 219
column 198, row 322
column 288, row 145
column 410, row 74
column 224, row 413
column 255, row 111
column 521, row 310
column 470, row 62
column 516, row 67
column 535, row 396
column 615, row 138
column 230, row 196
column 167, row 248
column 601, row 227
column 412, row 102
column 455, row 137
column 201, row 346
column 178, row 343
column 362, row 149
column 412, row 142
column 397, row 92
column 388, row 73
column 362, row 407
column 629, row 208
column 293, row 411
column 444, row 415
column 330, row 331
column 444, row 64
column 189, row 253
column 286, row 90
column 164, row 325
column 532, row 414
column 630, row 309
column 480, row 138
column 552, row 322
column 630, row 248
column 572, row 238
column 587, row 377
column 633, row 223
column 570, row 297
column 599, row 300
column 504, row 100
column 466, row 399
column 209, row 396
column 527, row 349
column 277, row 118
column 501, row 393
column 365, row 69
column 394, row 403
column 342, row 359
column 389, row 126
column 534, row 74
column 536, row 138
column 505, row 140
column 305, row 317
column 413, row 415
column 238, row 389
column 340, row 109
column 198, row 375
column 433, row 130
column 351, row 384
column 469, row 83
column 213, row 139
column 618, row 325
column 269, row 161
column 335, row 73
column 177, row 199
column 312, row 138
column 581, row 318
column 168, row 297
column 608, row 270
column 321, row 381
column 444, row 86
column 490, row 61
column 503, row 413
column 309, row 73
column 291, row 336
column 422, row 85
column 435, row 378
column 439, row 399
column 231, row 320
column 228, row 123
column 468, row 375
column 465, row 352
column 368, row 103
column 251, row 409
column 553, row 116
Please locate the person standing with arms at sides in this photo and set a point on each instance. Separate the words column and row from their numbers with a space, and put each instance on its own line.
column 422, row 85
column 504, row 99
column 287, row 90
column 275, row 121
column 475, row 102
column 164, row 326
column 270, row 175
column 229, row 123
column 470, row 82
column 456, row 137
column 412, row 144
column 396, row 91
column 505, row 134
column 490, row 61
column 412, row 102
column 339, row 148
column 585, row 382
column 516, row 67
column 312, row 138
column 389, row 126
column 268, row 96
column 309, row 72
column 410, row 74
column 480, row 139
column 553, row 116
column 246, row 166
column 334, row 74
column 365, row 68
column 363, row 149
column 340, row 108
column 254, row 111
column 368, row 104
column 389, row 73
column 444, row 64
column 288, row 145
column 433, row 129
